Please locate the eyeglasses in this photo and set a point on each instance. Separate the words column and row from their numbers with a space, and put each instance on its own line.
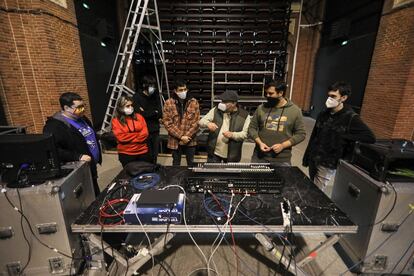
column 79, row 107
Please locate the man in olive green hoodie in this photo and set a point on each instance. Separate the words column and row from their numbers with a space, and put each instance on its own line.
column 276, row 126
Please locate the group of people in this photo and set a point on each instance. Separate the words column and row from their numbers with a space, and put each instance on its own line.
column 276, row 126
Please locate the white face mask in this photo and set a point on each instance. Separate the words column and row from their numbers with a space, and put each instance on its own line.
column 331, row 103
column 182, row 95
column 222, row 107
column 151, row 90
column 128, row 110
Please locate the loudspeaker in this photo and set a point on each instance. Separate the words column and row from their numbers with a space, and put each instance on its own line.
column 391, row 160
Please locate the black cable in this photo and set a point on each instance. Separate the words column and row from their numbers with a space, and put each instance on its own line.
column 116, row 263
column 293, row 243
column 72, row 261
column 392, row 208
column 229, row 244
column 406, row 263
column 108, row 194
column 70, row 268
column 378, row 247
column 290, row 260
column 290, row 253
column 23, row 232
column 168, row 226
column 102, row 244
column 163, row 267
column 283, row 253
column 127, row 266
column 402, row 257
column 33, row 233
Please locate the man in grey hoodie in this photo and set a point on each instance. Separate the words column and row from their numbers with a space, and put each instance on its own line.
column 276, row 126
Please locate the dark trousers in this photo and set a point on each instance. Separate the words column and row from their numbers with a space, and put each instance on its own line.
column 212, row 158
column 312, row 170
column 153, row 142
column 189, row 155
column 95, row 186
column 125, row 158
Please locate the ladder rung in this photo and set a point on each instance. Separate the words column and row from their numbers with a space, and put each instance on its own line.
column 237, row 82
column 150, row 27
column 242, row 72
column 121, row 67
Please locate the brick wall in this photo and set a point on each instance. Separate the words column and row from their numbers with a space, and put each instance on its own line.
column 40, row 58
column 309, row 41
column 388, row 106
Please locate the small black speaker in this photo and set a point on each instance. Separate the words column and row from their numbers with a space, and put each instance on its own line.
column 386, row 160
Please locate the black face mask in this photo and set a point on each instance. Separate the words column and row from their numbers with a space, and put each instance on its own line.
column 272, row 102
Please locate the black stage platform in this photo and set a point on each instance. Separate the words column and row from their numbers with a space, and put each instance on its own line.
column 258, row 213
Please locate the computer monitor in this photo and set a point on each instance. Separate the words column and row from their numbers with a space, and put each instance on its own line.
column 35, row 155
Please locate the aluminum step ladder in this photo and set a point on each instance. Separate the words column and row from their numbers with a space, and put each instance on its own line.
column 142, row 15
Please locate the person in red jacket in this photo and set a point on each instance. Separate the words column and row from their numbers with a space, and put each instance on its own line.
column 131, row 133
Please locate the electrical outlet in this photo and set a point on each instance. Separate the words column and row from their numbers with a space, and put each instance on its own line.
column 14, row 269
column 380, row 262
column 56, row 265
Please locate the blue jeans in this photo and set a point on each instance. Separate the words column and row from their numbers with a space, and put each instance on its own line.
column 320, row 175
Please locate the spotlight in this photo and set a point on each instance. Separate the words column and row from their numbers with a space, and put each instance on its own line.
column 103, row 44
column 344, row 42
column 86, row 6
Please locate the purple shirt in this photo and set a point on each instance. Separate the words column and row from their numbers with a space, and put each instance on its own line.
column 89, row 134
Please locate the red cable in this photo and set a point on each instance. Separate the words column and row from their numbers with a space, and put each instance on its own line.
column 231, row 231
column 104, row 215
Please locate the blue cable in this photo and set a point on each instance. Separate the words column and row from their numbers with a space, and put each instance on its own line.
column 145, row 181
column 210, row 205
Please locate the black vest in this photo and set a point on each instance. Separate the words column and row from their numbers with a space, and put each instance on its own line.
column 237, row 120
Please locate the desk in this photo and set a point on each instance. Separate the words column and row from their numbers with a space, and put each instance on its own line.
column 318, row 213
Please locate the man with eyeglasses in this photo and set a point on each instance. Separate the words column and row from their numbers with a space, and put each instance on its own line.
column 74, row 136
column 336, row 130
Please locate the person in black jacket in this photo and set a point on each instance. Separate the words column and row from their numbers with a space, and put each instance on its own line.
column 147, row 102
column 73, row 133
column 336, row 130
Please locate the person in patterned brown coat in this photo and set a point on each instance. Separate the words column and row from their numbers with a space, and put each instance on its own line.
column 180, row 117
